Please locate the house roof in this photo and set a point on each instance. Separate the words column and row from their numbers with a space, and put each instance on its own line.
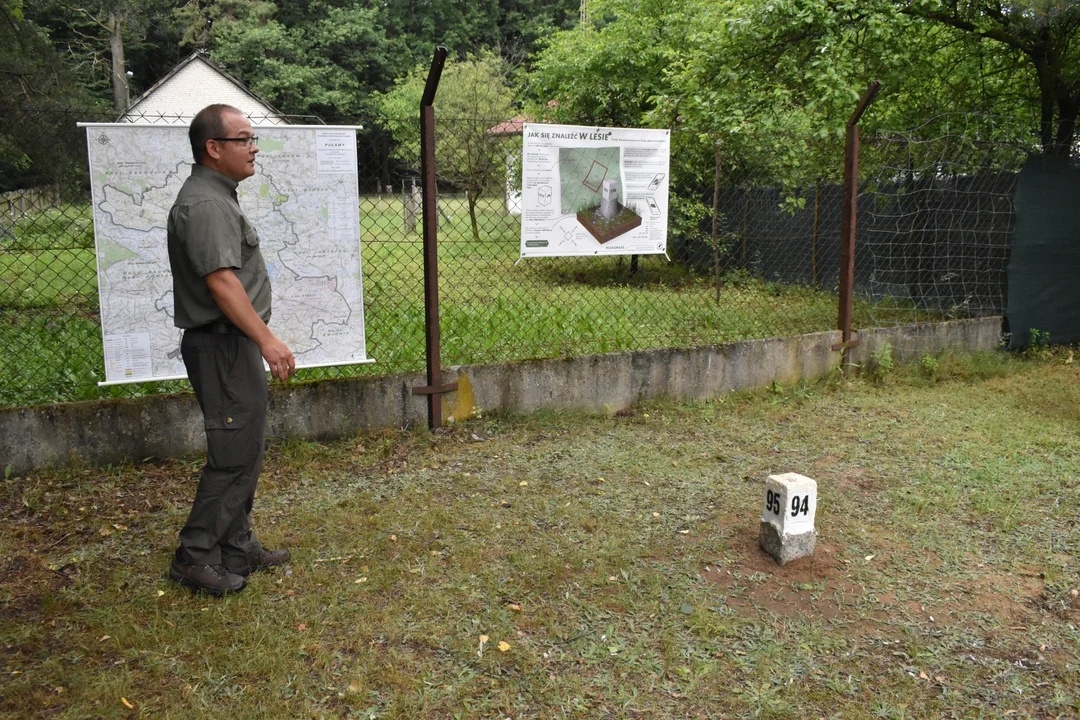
column 198, row 56
column 510, row 127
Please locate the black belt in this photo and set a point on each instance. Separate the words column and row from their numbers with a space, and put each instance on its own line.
column 218, row 328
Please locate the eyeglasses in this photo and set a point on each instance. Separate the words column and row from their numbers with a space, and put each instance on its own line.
column 248, row 141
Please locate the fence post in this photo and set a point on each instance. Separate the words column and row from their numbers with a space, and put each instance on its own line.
column 715, row 218
column 847, row 231
column 814, row 242
column 435, row 387
column 411, row 203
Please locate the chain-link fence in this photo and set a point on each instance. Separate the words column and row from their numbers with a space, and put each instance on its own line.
column 759, row 270
column 748, row 259
column 935, row 221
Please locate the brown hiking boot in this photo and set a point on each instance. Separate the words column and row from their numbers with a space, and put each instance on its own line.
column 212, row 579
column 264, row 560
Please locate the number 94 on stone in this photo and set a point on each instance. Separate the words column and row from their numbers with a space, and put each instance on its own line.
column 790, row 503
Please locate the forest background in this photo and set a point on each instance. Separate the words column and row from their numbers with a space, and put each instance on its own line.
column 767, row 83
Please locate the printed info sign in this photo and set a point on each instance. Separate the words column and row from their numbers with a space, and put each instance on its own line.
column 304, row 202
column 594, row 191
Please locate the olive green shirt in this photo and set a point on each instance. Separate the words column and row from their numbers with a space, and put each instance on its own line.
column 208, row 231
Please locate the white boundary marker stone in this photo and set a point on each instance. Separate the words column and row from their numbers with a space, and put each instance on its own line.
column 787, row 518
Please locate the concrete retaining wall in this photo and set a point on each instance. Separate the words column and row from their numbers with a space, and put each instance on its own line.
column 111, row 431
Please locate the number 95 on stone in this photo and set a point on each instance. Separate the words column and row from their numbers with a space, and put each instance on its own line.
column 787, row 517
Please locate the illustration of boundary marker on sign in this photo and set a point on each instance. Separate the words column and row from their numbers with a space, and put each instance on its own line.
column 596, row 183
column 582, row 172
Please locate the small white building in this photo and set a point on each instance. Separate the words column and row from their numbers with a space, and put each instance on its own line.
column 193, row 84
column 509, row 129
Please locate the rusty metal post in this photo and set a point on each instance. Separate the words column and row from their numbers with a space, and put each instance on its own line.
column 847, row 231
column 435, row 387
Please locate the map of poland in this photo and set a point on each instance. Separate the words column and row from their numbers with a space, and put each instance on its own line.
column 303, row 199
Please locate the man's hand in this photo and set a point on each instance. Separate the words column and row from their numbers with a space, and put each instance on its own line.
column 279, row 358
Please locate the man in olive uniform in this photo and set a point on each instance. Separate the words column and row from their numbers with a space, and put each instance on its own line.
column 221, row 294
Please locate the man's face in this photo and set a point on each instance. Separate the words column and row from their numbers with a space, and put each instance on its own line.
column 234, row 159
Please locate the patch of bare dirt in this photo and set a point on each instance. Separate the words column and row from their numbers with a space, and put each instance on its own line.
column 1008, row 598
column 813, row 587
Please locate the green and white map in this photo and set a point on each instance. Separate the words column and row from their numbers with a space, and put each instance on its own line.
column 303, row 199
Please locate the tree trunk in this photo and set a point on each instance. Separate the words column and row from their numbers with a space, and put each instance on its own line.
column 1052, row 94
column 472, row 214
column 1068, row 108
column 1046, row 104
column 119, row 73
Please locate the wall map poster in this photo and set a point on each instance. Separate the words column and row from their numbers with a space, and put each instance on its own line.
column 303, row 199
column 594, row 191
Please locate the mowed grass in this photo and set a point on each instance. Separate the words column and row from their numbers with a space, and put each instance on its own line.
column 492, row 307
column 573, row 566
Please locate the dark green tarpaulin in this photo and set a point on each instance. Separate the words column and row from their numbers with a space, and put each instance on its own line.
column 1044, row 268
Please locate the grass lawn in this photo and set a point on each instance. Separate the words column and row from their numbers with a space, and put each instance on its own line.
column 564, row 565
column 493, row 308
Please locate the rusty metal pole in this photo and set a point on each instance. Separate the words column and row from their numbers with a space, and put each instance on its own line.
column 435, row 387
column 847, row 231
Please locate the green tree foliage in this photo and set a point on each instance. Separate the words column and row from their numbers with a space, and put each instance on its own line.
column 1045, row 34
column 769, row 80
column 513, row 26
column 474, row 95
column 97, row 39
column 325, row 57
column 611, row 74
column 35, row 145
column 774, row 80
column 305, row 58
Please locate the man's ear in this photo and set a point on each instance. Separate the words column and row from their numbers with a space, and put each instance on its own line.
column 213, row 149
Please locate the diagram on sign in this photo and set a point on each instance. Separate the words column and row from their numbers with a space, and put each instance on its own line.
column 594, row 191
column 589, row 180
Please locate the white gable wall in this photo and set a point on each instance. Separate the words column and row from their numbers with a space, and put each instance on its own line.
column 192, row 88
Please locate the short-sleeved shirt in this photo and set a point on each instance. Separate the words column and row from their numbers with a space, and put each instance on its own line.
column 208, row 231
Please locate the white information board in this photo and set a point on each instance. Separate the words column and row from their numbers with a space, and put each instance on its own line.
column 303, row 200
column 566, row 171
